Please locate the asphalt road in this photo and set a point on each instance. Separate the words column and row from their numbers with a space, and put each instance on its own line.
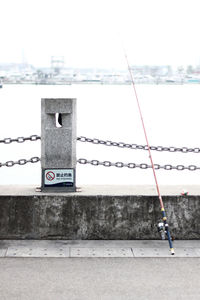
column 99, row 278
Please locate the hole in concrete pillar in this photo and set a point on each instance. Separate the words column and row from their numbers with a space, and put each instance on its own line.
column 58, row 117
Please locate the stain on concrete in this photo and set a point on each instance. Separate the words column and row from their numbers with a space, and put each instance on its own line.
column 76, row 216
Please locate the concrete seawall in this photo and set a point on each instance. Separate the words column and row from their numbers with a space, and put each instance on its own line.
column 98, row 212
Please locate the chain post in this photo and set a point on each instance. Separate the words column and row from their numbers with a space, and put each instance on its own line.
column 58, row 145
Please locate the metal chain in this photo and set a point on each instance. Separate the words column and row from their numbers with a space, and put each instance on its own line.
column 108, row 143
column 20, row 162
column 106, row 163
column 119, row 164
column 136, row 147
column 21, row 139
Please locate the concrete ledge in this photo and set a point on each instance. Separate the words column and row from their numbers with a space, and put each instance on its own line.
column 91, row 190
column 92, row 249
column 98, row 212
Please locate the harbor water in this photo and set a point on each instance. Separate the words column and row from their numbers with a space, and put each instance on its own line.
column 108, row 112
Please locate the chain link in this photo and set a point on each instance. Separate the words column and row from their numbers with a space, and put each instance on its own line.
column 136, row 147
column 109, row 143
column 20, row 162
column 106, row 163
column 21, row 139
column 143, row 166
column 95, row 162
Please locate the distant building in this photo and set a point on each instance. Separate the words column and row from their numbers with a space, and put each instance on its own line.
column 57, row 63
column 154, row 71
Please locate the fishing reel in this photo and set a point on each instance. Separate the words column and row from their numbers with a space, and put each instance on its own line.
column 161, row 230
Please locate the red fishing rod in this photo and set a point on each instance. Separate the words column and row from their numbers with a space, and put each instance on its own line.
column 165, row 225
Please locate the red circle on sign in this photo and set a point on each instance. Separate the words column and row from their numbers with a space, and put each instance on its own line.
column 50, row 176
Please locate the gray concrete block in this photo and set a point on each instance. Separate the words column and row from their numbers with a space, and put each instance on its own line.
column 101, row 252
column 59, row 106
column 164, row 252
column 59, row 149
column 37, row 252
column 110, row 216
column 90, row 218
column 58, row 141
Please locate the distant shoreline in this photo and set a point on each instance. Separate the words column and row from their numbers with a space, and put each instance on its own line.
column 100, row 83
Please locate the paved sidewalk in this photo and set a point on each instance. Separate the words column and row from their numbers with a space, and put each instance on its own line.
column 100, row 279
column 28, row 274
column 97, row 248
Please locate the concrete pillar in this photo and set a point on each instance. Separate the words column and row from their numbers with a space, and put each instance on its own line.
column 58, row 142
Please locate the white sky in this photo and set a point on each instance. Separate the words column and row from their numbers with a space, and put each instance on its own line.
column 89, row 32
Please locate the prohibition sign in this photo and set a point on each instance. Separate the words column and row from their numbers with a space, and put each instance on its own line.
column 50, row 176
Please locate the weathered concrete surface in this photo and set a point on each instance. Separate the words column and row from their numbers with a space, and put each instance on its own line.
column 26, row 214
column 58, row 144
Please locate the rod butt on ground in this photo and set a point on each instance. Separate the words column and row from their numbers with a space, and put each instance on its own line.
column 169, row 238
column 172, row 251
